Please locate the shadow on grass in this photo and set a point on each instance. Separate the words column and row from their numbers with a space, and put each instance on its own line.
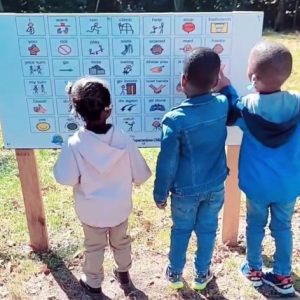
column 133, row 293
column 64, row 277
column 71, row 286
column 211, row 292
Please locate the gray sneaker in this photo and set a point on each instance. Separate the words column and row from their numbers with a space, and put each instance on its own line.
column 174, row 280
column 201, row 281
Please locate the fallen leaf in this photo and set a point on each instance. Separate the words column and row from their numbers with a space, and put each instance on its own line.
column 78, row 254
column 45, row 270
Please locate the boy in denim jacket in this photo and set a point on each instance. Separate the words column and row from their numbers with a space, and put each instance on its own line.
column 192, row 166
column 269, row 163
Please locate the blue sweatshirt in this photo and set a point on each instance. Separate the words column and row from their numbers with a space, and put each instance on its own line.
column 269, row 163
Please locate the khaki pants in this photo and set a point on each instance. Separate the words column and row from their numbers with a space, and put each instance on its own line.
column 95, row 241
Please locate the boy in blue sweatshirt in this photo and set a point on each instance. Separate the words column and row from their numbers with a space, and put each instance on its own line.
column 269, row 163
column 192, row 166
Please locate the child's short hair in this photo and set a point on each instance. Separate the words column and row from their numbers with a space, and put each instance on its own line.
column 90, row 96
column 271, row 61
column 202, row 67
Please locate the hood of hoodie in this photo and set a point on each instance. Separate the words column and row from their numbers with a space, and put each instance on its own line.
column 100, row 151
column 269, row 133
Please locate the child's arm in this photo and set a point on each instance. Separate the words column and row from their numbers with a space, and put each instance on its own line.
column 167, row 162
column 65, row 169
column 139, row 168
column 234, row 112
column 225, row 88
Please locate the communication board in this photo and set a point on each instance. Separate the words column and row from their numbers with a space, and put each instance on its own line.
column 139, row 55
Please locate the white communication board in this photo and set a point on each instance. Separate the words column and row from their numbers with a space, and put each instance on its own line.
column 140, row 55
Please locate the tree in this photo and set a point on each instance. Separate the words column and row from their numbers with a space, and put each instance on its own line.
column 12, row 5
column 178, row 5
column 104, row 6
column 295, row 19
column 278, row 14
column 66, row 6
column 158, row 5
column 279, row 21
column 235, row 4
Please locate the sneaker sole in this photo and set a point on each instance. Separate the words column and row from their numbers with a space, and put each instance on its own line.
column 176, row 285
column 290, row 291
column 255, row 284
column 201, row 286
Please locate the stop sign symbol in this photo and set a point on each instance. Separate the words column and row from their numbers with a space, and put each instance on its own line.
column 64, row 49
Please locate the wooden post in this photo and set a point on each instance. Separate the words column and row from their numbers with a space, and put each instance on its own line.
column 34, row 209
column 231, row 211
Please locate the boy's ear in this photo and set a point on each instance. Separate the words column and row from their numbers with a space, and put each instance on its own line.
column 184, row 80
column 215, row 82
column 105, row 114
column 108, row 113
column 254, row 79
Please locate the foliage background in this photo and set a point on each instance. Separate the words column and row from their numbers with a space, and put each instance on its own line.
column 279, row 14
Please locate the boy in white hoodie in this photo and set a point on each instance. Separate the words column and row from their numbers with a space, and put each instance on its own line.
column 100, row 162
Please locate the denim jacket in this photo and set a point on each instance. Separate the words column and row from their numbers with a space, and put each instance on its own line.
column 192, row 156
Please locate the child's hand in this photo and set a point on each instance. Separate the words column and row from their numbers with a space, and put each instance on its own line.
column 161, row 205
column 222, row 82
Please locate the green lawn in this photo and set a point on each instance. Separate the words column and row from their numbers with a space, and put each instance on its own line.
column 292, row 41
column 149, row 227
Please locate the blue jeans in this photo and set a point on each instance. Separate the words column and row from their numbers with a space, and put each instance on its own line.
column 280, row 226
column 198, row 213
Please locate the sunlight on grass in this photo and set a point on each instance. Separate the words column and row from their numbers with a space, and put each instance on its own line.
column 22, row 273
column 292, row 42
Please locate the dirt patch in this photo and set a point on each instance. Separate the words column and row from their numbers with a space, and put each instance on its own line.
column 61, row 281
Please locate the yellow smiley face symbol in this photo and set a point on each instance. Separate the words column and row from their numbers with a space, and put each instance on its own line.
column 42, row 126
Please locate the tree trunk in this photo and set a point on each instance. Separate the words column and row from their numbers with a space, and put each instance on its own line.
column 235, row 3
column 279, row 21
column 178, row 5
column 102, row 6
column 295, row 19
column 97, row 6
column 90, row 5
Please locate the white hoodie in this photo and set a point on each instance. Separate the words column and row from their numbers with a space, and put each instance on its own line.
column 101, row 168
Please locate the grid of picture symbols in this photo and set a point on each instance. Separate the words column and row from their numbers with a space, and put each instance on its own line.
column 140, row 56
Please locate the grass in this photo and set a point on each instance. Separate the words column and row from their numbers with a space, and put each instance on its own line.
column 292, row 42
column 19, row 267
